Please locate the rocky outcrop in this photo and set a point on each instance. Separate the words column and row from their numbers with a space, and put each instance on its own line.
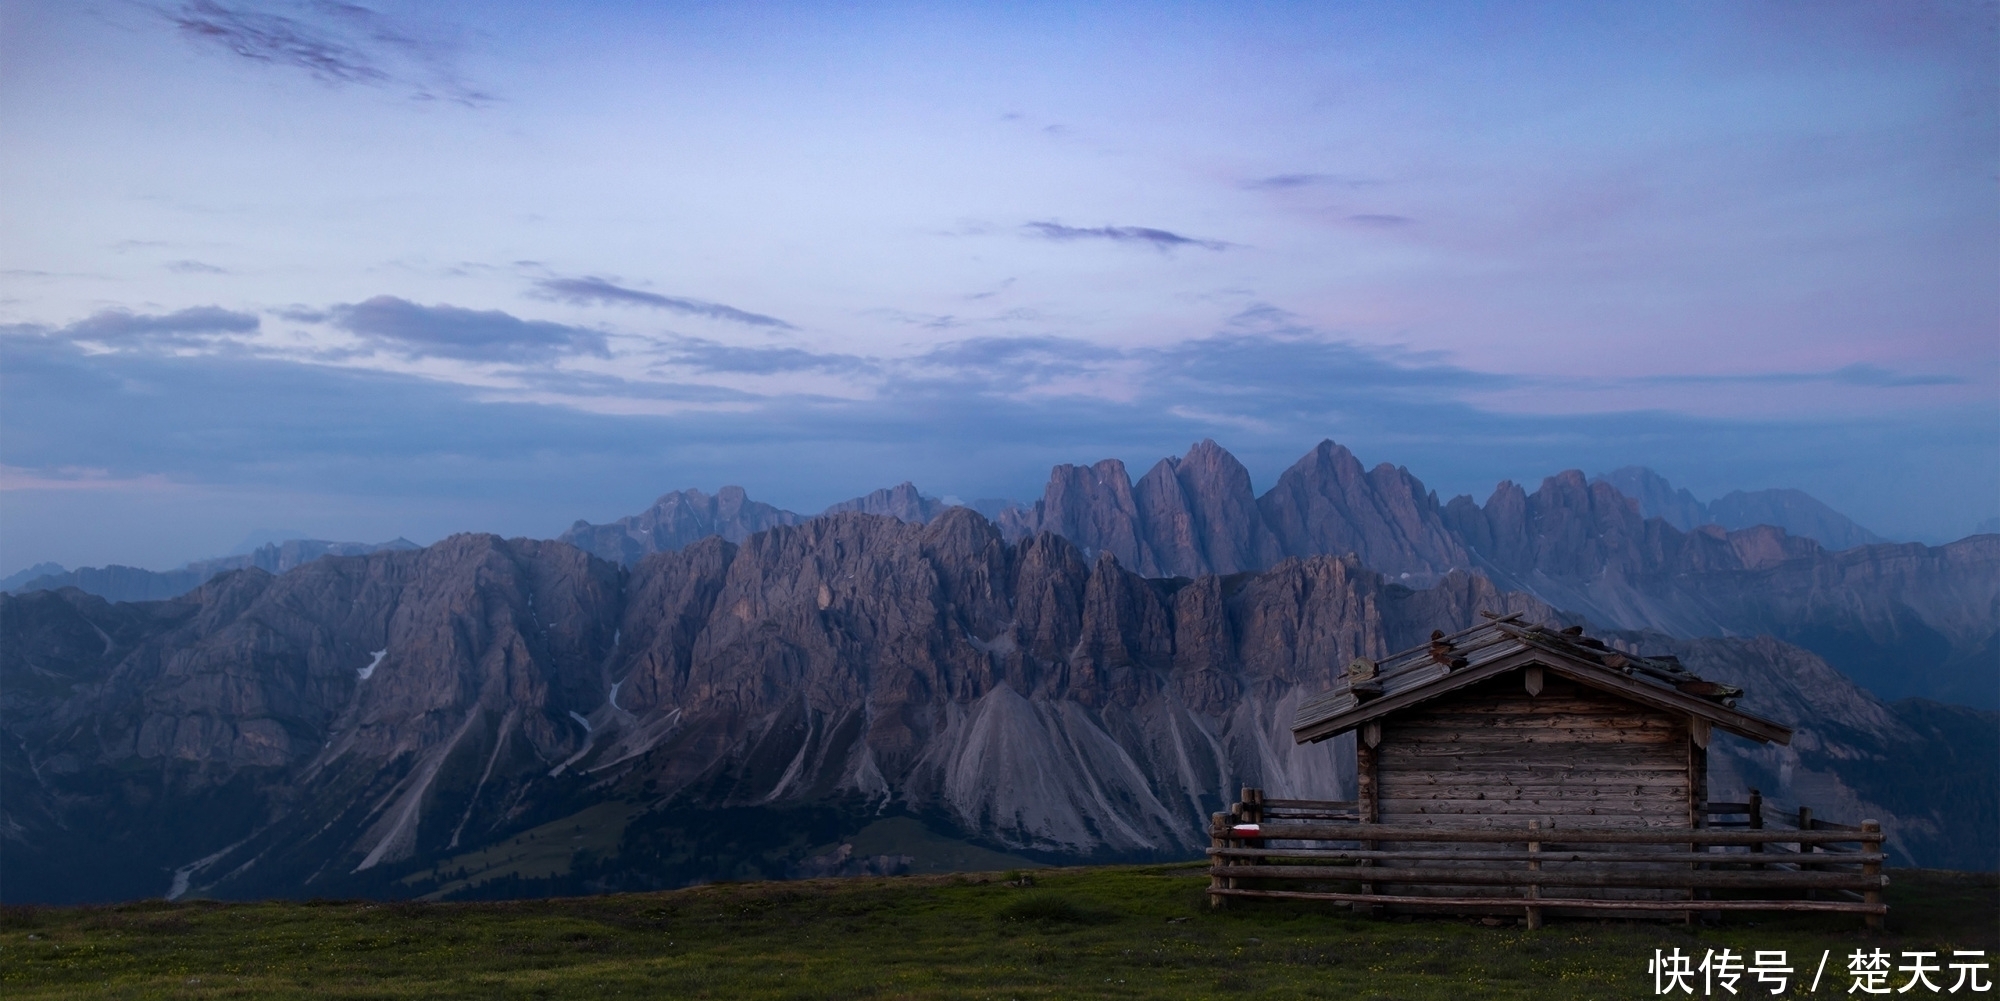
column 675, row 521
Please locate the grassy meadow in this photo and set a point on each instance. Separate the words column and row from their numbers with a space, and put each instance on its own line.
column 1107, row 932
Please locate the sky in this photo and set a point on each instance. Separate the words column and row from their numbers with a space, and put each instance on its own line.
column 362, row 270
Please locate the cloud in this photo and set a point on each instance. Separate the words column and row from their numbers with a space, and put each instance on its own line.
column 194, row 268
column 1007, row 365
column 1160, row 238
column 14, row 478
column 712, row 356
column 336, row 42
column 1380, row 220
column 406, row 328
column 1287, row 182
column 1860, row 374
column 588, row 290
column 976, row 417
column 196, row 327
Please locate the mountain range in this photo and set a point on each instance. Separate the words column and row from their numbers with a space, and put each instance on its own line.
column 123, row 583
column 1903, row 619
column 1086, row 678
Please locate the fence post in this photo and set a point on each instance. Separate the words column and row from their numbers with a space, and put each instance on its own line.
column 1218, row 829
column 1871, row 842
column 1534, row 865
column 1253, row 813
column 1756, row 816
column 1806, row 824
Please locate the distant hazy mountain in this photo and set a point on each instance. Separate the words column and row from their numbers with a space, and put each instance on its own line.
column 684, row 517
column 901, row 502
column 123, row 583
column 1795, row 511
column 33, row 572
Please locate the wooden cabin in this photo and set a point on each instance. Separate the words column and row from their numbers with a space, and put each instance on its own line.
column 1516, row 766
column 1510, row 722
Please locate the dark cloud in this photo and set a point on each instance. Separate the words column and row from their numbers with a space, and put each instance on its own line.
column 588, row 290
column 194, row 268
column 1160, row 238
column 336, row 42
column 405, row 328
column 199, row 326
column 1380, row 220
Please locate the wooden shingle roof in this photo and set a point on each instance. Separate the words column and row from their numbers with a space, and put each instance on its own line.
column 1502, row 644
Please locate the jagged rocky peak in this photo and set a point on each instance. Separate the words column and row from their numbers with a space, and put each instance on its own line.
column 1197, row 514
column 1326, row 503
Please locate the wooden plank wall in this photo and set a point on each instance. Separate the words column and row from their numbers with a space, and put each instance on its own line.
column 1495, row 756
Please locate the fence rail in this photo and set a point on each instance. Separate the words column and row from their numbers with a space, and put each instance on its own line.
column 1319, row 850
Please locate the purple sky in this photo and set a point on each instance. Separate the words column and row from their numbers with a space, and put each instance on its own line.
column 362, row 271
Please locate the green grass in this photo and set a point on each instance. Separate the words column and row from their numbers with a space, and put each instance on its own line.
column 1120, row 932
column 537, row 853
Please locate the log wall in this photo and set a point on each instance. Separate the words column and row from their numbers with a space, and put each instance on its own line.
column 1496, row 756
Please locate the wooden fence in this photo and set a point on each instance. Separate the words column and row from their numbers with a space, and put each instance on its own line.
column 1318, row 850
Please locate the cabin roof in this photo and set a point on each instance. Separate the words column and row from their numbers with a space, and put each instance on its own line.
column 1503, row 644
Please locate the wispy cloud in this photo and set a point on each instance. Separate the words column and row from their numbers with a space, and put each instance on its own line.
column 1159, row 238
column 588, row 290
column 1288, row 182
column 704, row 355
column 15, row 478
column 194, row 268
column 1380, row 220
column 195, row 327
column 1860, row 374
column 405, row 328
column 336, row 42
